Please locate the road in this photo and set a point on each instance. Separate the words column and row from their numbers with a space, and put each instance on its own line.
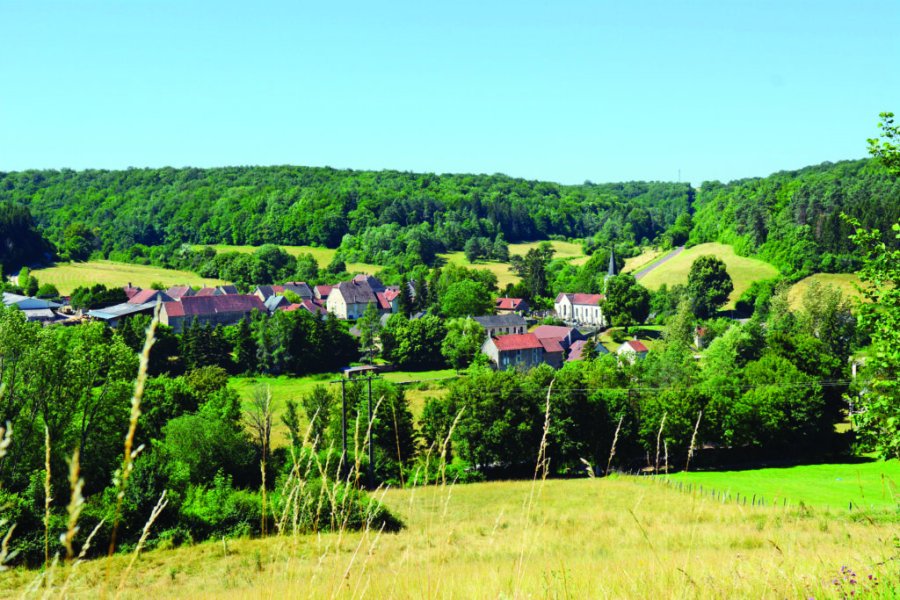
column 665, row 258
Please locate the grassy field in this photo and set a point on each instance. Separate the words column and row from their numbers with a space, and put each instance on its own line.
column 743, row 271
column 636, row 263
column 68, row 276
column 564, row 250
column 619, row 537
column 323, row 256
column 845, row 282
column 648, row 334
column 284, row 388
column 869, row 485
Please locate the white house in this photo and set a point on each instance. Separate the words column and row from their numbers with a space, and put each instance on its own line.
column 349, row 299
column 581, row 309
column 632, row 350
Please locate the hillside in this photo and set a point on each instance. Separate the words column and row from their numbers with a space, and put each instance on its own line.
column 744, row 271
column 391, row 217
column 792, row 219
column 619, row 537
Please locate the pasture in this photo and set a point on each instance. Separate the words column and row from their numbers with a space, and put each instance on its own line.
column 845, row 282
column 618, row 537
column 744, row 271
column 569, row 251
column 644, row 259
column 68, row 276
column 867, row 485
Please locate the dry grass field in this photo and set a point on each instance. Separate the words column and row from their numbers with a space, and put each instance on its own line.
column 644, row 259
column 620, row 537
column 845, row 282
column 564, row 250
column 68, row 276
column 744, row 271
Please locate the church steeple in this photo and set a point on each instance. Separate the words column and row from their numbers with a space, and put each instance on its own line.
column 612, row 264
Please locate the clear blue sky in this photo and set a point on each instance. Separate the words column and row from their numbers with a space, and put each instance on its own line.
column 558, row 90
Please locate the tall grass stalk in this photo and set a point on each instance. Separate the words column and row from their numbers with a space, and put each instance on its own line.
column 76, row 504
column 160, row 505
column 662, row 425
column 690, row 454
column 540, row 470
column 47, row 496
column 129, row 454
column 612, row 450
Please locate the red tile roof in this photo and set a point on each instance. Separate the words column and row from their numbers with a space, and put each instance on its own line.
column 551, row 345
column 510, row 304
column 195, row 306
column 145, row 296
column 556, row 332
column 637, row 346
column 131, row 291
column 589, row 299
column 383, row 302
column 179, row 291
column 207, row 291
column 517, row 341
column 323, row 290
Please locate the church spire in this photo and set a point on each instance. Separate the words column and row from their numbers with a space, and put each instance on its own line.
column 612, row 264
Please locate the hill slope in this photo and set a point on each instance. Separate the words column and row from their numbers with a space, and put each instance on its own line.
column 616, row 538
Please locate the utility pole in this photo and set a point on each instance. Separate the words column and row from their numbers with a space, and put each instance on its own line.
column 343, row 420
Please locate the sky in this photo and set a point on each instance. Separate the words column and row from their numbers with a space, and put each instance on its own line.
column 560, row 90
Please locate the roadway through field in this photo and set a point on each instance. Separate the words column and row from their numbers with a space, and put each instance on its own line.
column 664, row 259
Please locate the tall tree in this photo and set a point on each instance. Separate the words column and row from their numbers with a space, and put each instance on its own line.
column 709, row 285
column 627, row 302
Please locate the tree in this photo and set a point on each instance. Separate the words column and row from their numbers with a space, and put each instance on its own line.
column 887, row 150
column 877, row 417
column 307, row 268
column 627, row 302
column 79, row 241
column 709, row 285
column 462, row 342
column 369, row 326
column 532, row 268
column 467, row 298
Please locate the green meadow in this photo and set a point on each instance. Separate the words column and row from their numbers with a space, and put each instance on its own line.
column 744, row 271
column 68, row 276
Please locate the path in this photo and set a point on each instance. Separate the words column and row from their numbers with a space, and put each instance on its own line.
column 665, row 258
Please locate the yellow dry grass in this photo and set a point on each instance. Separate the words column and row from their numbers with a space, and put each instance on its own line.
column 68, row 276
column 636, row 263
column 587, row 538
column 744, row 271
column 569, row 251
column 845, row 282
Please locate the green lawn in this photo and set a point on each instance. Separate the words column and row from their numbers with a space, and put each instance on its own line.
column 867, row 484
column 744, row 271
column 845, row 282
column 323, row 256
column 68, row 276
column 284, row 388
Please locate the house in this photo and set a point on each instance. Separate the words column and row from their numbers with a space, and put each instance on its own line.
column 142, row 303
column 554, row 354
column 502, row 324
column 130, row 290
column 313, row 306
column 511, row 305
column 581, row 309
column 322, row 291
column 264, row 292
column 226, row 309
column 349, row 299
column 273, row 303
column 35, row 309
column 576, row 350
column 222, row 290
column 177, row 292
column 515, row 351
column 564, row 335
column 632, row 350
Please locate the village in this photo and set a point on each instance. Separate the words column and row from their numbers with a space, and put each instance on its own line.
column 515, row 337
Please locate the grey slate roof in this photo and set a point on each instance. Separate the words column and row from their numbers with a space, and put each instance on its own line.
column 120, row 310
column 26, row 302
column 501, row 321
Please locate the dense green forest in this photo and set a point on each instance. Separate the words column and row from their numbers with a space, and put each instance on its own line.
column 400, row 219
column 793, row 220
column 385, row 217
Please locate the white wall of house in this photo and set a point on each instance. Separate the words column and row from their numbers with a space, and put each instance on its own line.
column 563, row 309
